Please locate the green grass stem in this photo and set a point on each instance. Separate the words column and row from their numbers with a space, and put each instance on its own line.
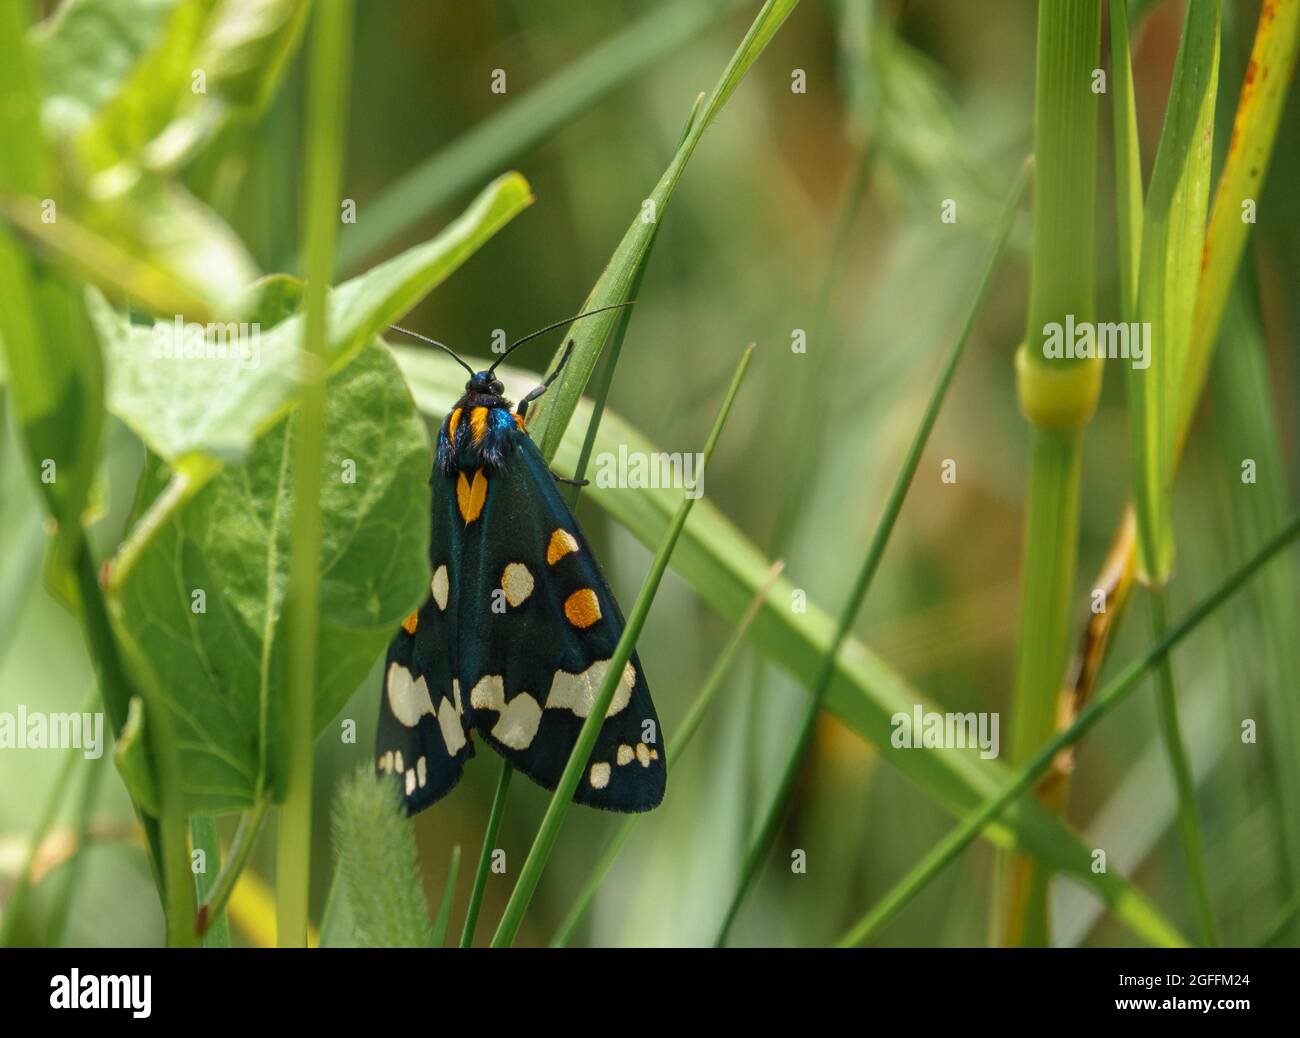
column 326, row 111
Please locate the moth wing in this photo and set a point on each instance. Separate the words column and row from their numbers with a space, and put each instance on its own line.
column 423, row 731
column 537, row 627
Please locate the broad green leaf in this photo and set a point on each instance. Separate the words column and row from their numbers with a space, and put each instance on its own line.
column 1172, row 241
column 193, row 407
column 726, row 570
column 146, row 82
column 554, row 410
column 85, row 51
column 132, row 91
column 218, row 657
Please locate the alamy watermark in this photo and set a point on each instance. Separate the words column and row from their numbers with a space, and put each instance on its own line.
column 657, row 470
column 1083, row 340
column 235, row 341
column 930, row 729
column 75, row 990
column 37, row 730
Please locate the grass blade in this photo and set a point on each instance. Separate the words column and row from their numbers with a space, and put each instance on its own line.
column 549, row 830
column 1172, row 241
column 759, row 849
column 1114, row 693
column 554, row 410
column 673, row 750
column 495, row 815
column 1254, row 132
column 438, row 938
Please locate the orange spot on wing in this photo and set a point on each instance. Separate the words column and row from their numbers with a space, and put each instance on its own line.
column 519, row 421
column 478, row 423
column 582, row 609
column 562, row 543
column 409, row 624
column 452, row 424
column 470, row 495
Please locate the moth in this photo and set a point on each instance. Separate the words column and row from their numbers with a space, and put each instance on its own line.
column 517, row 633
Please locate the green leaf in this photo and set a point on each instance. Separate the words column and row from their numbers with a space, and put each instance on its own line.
column 727, row 570
column 220, row 670
column 1172, row 240
column 132, row 92
column 168, row 77
column 216, row 406
column 85, row 51
column 552, row 412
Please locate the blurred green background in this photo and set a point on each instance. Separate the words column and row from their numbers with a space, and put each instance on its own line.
column 816, row 211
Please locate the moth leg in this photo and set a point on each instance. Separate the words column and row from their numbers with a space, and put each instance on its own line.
column 572, row 482
column 522, row 409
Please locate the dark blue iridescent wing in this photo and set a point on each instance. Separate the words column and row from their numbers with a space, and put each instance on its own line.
column 423, row 733
column 536, row 627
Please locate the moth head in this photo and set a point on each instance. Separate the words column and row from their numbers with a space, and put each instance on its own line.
column 485, row 382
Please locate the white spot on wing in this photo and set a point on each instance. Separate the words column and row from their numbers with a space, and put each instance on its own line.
column 577, row 692
column 410, row 781
column 518, row 724
column 489, row 693
column 452, row 733
column 408, row 698
column 643, row 754
column 625, row 755
column 440, row 586
column 422, row 771
column 600, row 775
column 517, row 583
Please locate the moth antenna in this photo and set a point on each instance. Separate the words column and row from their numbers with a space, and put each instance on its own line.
column 558, row 324
column 434, row 342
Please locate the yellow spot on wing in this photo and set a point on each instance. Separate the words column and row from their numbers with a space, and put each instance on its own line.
column 452, row 423
column 600, row 775
column 562, row 543
column 478, row 424
column 411, row 621
column 582, row 608
column 470, row 496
